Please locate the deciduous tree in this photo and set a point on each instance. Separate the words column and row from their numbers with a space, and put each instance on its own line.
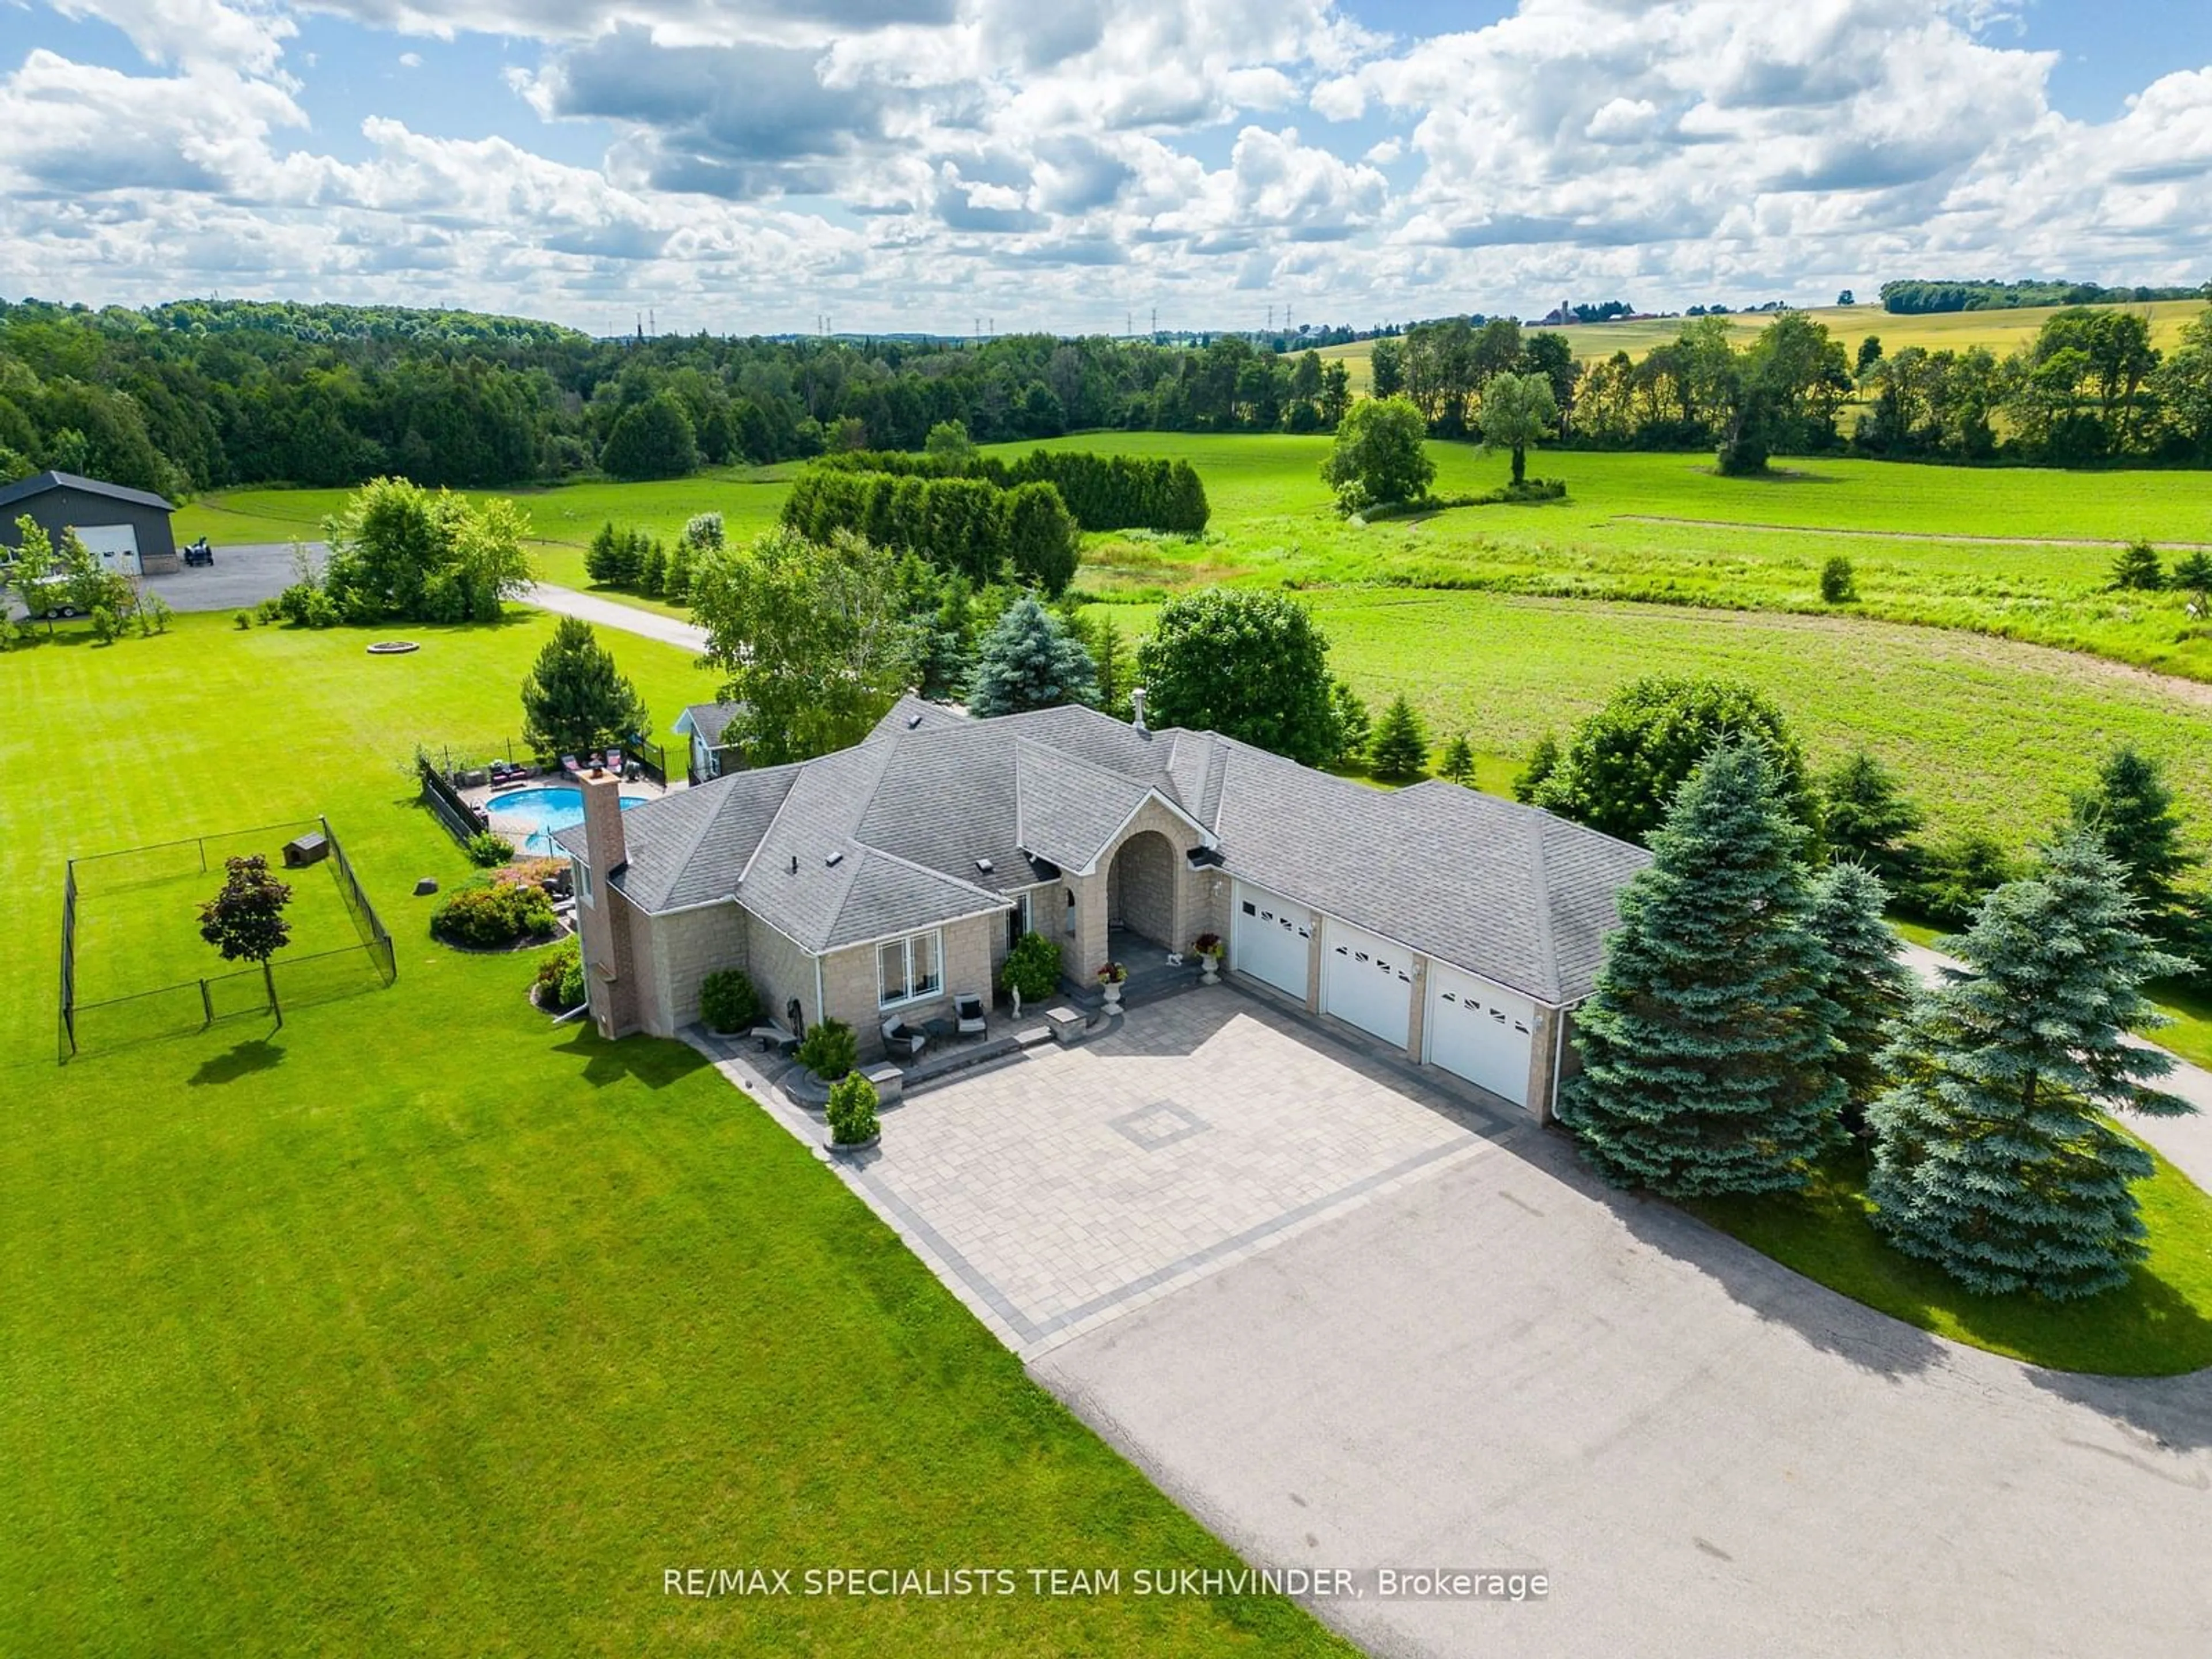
column 1381, row 456
column 1247, row 664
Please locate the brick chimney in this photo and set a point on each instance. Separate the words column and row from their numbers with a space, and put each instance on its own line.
column 604, row 850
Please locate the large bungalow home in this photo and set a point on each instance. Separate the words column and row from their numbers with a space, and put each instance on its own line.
column 885, row 878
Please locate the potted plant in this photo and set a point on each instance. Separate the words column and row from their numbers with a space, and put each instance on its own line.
column 1111, row 977
column 1210, row 952
column 853, row 1126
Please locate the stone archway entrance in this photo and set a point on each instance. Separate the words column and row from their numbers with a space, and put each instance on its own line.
column 1140, row 889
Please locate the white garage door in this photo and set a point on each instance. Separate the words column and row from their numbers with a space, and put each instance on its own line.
column 1479, row 1031
column 1368, row 981
column 1269, row 940
column 116, row 543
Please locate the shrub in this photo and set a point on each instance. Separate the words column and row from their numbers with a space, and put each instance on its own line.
column 242, row 621
column 830, row 1050
column 2137, row 567
column 494, row 915
column 551, row 873
column 728, row 1000
column 1839, row 584
column 559, row 985
column 268, row 613
column 852, row 1110
column 105, row 626
column 1032, row 967
column 485, row 849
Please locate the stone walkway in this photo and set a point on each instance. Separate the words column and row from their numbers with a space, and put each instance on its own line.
column 1062, row 1190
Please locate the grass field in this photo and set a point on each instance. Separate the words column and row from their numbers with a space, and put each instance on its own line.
column 2000, row 331
column 2159, row 1324
column 424, row 1326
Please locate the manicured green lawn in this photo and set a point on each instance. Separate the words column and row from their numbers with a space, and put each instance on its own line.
column 2160, row 1324
column 425, row 1327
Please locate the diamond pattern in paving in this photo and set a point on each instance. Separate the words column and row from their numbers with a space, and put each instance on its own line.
column 1058, row 1190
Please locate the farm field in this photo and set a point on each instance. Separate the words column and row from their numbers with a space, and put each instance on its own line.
column 424, row 1321
column 1988, row 550
column 2000, row 331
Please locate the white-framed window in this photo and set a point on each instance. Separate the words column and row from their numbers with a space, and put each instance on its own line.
column 907, row 970
column 583, row 879
column 1025, row 910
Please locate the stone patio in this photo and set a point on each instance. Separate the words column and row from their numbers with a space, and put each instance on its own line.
column 1058, row 1190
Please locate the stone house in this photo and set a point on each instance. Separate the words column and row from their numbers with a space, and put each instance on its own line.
column 881, row 880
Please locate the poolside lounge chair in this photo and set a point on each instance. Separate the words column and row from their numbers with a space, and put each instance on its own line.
column 968, row 1010
column 569, row 765
column 898, row 1039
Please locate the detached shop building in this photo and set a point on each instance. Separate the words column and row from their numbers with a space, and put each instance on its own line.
column 129, row 529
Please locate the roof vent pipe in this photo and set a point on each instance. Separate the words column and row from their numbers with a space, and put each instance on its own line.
column 1137, row 708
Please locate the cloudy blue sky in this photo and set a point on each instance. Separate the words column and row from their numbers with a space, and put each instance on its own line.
column 741, row 165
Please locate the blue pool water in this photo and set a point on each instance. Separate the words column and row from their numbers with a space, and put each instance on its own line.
column 543, row 812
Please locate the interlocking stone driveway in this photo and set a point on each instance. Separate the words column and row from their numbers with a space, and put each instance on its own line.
column 1057, row 1193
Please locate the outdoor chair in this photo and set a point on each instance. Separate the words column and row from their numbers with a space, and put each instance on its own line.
column 897, row 1038
column 968, row 1010
column 569, row 765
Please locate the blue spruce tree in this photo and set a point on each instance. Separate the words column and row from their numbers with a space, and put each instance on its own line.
column 1869, row 985
column 1707, row 1045
column 1030, row 661
column 1992, row 1157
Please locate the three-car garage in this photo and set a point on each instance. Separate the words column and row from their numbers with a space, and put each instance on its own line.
column 1470, row 1027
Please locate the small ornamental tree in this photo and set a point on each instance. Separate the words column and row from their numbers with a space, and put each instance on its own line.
column 1867, row 982
column 1865, row 816
column 1708, row 1043
column 1381, row 456
column 31, row 572
column 1030, row 661
column 1459, row 760
column 1032, row 967
column 575, row 698
column 1248, row 665
column 1400, row 749
column 246, row 921
column 851, row 1110
column 1992, row 1155
column 1624, row 762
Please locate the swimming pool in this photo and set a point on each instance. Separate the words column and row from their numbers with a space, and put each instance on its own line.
column 536, row 815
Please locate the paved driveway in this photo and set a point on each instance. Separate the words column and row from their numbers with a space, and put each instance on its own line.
column 243, row 574
column 1504, row 1365
column 1055, row 1194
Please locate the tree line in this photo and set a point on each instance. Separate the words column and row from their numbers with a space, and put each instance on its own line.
column 1105, row 492
column 1919, row 296
column 196, row 395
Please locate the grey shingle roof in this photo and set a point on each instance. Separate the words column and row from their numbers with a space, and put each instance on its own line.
column 711, row 720
column 39, row 483
column 1502, row 889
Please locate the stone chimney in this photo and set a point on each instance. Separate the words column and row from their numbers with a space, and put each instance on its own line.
column 1137, row 708
column 604, row 849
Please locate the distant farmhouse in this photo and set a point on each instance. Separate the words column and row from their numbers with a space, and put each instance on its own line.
column 129, row 529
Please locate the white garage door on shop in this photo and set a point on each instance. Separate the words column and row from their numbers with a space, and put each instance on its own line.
column 117, row 544
column 1479, row 1031
column 1270, row 939
column 1367, row 981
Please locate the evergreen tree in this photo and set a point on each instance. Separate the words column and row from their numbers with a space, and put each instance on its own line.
column 1042, row 536
column 1868, row 984
column 1707, row 1044
column 651, row 440
column 602, row 558
column 1109, row 656
column 1543, row 761
column 2137, row 567
column 575, row 698
column 1992, row 1158
column 1400, row 748
column 2131, row 813
column 1459, row 760
column 1866, row 817
column 677, row 586
column 653, row 576
column 1029, row 660
column 1354, row 726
